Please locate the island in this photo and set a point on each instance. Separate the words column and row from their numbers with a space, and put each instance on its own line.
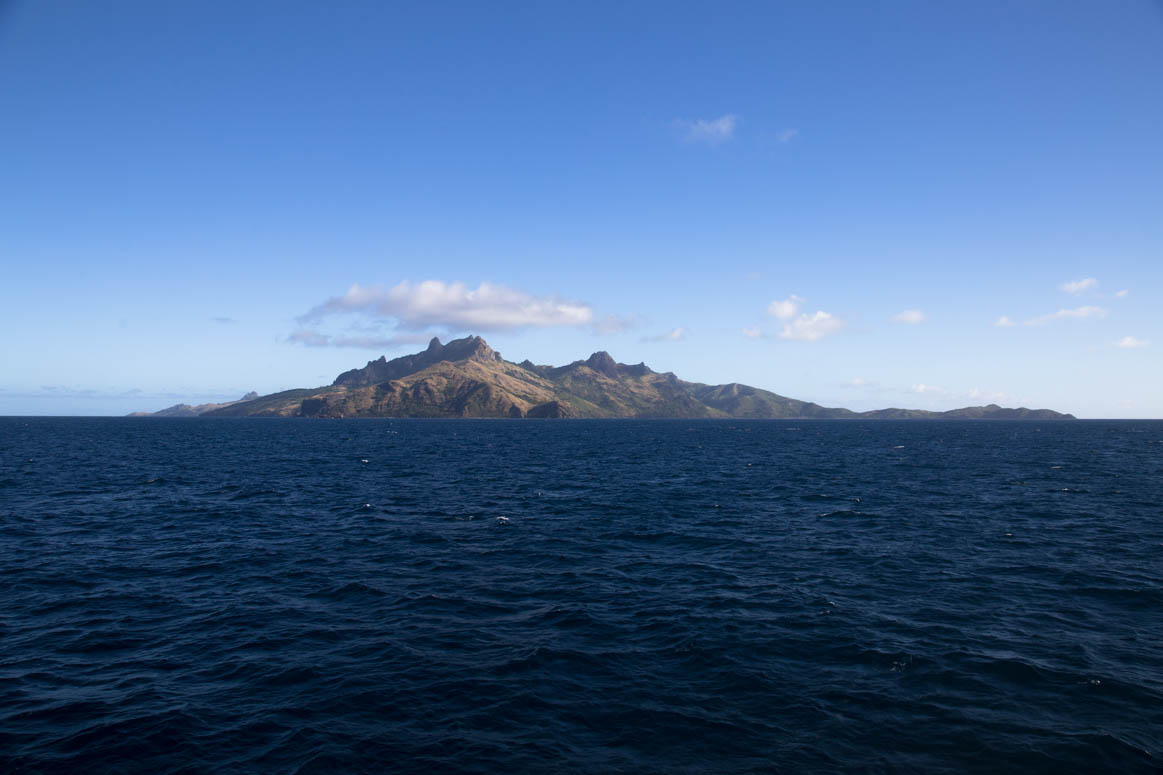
column 468, row 379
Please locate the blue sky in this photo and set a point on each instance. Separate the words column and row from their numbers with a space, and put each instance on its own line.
column 835, row 201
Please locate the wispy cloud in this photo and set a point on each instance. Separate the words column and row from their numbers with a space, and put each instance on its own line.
column 1004, row 322
column 1079, row 313
column 673, row 335
column 1131, row 342
column 1122, row 294
column 860, row 383
column 753, row 333
column 910, row 316
column 940, row 394
column 992, row 396
column 1078, row 286
column 787, row 134
column 614, row 324
column 225, row 321
column 455, row 306
column 710, row 131
column 308, row 338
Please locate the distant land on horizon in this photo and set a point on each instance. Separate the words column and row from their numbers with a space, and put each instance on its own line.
column 468, row 379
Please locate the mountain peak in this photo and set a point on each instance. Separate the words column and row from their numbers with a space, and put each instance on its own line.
column 470, row 347
column 382, row 370
column 602, row 363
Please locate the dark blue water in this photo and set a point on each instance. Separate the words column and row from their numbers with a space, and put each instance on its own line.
column 580, row 596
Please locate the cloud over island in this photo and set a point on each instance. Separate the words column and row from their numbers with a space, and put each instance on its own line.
column 432, row 303
column 409, row 313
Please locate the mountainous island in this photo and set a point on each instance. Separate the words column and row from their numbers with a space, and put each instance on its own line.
column 467, row 378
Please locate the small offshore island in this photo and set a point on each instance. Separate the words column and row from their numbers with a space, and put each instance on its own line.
column 468, row 379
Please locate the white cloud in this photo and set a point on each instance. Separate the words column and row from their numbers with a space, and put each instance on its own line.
column 673, row 335
column 1078, row 286
column 810, row 328
column 455, row 306
column 786, row 309
column 859, row 383
column 805, row 328
column 711, row 131
column 1122, row 294
column 753, row 333
column 910, row 316
column 787, row 134
column 1065, row 314
column 1131, row 342
column 1004, row 322
column 923, row 388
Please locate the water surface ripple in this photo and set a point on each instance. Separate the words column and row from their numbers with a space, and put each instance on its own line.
column 580, row 596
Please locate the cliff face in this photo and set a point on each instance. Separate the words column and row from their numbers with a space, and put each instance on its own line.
column 467, row 378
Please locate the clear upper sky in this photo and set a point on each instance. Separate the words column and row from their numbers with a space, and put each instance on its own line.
column 864, row 204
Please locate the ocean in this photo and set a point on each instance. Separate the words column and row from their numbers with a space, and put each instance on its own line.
column 608, row 596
